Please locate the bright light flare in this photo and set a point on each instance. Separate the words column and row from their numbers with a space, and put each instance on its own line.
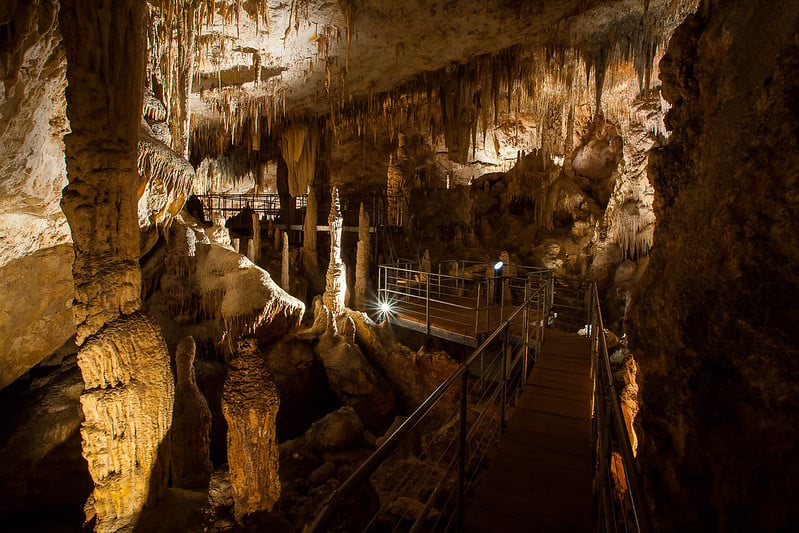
column 498, row 265
column 385, row 307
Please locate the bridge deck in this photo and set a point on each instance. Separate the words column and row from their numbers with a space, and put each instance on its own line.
column 540, row 478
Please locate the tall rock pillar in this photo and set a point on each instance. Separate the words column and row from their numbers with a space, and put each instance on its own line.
column 362, row 261
column 336, row 278
column 129, row 390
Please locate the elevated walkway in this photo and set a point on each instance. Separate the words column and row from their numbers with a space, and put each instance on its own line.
column 541, row 476
column 464, row 304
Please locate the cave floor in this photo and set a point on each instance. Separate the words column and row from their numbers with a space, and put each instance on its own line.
column 540, row 479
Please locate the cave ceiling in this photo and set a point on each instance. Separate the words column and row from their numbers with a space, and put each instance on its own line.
column 304, row 58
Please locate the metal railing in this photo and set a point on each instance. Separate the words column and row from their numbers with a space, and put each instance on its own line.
column 460, row 450
column 268, row 206
column 620, row 507
column 468, row 305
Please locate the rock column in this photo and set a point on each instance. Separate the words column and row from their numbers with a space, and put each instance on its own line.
column 309, row 234
column 284, row 272
column 250, row 402
column 336, row 278
column 129, row 391
column 362, row 261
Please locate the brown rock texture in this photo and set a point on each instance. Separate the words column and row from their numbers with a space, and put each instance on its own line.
column 714, row 319
column 250, row 402
column 104, row 95
column 191, row 425
column 35, row 308
column 127, row 406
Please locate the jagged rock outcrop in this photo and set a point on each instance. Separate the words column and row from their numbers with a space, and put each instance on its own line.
column 191, row 425
column 214, row 294
column 127, row 406
column 713, row 322
column 414, row 375
column 354, row 380
column 250, row 403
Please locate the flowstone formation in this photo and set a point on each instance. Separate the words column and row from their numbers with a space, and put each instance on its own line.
column 713, row 322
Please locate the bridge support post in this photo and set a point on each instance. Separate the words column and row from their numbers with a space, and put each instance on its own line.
column 504, row 380
column 460, row 501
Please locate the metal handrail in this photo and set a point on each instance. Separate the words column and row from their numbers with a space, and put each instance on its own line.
column 602, row 376
column 338, row 498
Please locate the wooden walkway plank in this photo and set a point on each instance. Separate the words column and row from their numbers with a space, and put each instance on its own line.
column 540, row 476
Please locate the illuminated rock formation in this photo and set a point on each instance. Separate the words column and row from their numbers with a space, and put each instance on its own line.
column 250, row 402
column 191, row 425
column 127, row 408
column 285, row 263
column 336, row 278
column 362, row 262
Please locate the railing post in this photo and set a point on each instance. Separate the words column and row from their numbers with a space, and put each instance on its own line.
column 427, row 302
column 477, row 312
column 460, row 502
column 504, row 379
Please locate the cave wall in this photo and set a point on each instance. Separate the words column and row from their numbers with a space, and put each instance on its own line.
column 713, row 322
column 35, row 242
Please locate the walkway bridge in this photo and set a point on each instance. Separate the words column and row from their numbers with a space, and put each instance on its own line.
column 523, row 441
column 461, row 301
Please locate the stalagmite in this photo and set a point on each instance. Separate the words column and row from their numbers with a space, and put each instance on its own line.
column 250, row 402
column 362, row 261
column 309, row 234
column 256, row 238
column 336, row 279
column 396, row 189
column 191, row 425
column 284, row 264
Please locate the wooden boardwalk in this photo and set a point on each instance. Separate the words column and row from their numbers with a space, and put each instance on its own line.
column 541, row 477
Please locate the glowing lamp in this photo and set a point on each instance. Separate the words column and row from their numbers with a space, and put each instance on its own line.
column 384, row 307
column 498, row 265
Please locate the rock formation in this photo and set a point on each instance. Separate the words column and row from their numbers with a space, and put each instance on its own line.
column 285, row 263
column 336, row 278
column 362, row 264
column 191, row 425
column 127, row 409
column 714, row 319
column 309, row 260
column 250, row 404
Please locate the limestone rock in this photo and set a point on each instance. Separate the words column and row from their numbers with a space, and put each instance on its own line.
column 336, row 431
column 414, row 375
column 191, row 425
column 250, row 403
column 302, row 383
column 43, row 475
column 355, row 381
column 127, row 406
column 35, row 309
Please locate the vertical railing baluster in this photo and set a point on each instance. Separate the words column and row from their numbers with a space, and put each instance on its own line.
column 460, row 501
